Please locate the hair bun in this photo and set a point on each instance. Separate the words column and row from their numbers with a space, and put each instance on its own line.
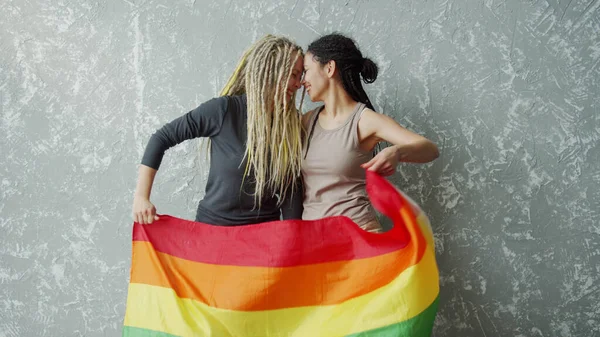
column 369, row 70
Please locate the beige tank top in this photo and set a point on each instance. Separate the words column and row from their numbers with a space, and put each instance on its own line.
column 334, row 181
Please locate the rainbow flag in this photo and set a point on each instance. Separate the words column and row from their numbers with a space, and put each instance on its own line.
column 286, row 278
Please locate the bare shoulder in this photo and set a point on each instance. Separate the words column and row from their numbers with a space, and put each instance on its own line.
column 370, row 115
column 375, row 119
column 370, row 119
column 373, row 123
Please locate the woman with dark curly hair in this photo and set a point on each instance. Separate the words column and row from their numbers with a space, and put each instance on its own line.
column 342, row 134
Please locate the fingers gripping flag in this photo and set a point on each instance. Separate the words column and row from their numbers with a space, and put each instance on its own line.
column 286, row 278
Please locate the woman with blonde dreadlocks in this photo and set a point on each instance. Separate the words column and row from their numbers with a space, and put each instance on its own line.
column 255, row 134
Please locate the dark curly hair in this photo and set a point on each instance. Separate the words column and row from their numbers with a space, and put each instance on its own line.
column 349, row 61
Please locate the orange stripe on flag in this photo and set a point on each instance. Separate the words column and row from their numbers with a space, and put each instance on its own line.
column 246, row 288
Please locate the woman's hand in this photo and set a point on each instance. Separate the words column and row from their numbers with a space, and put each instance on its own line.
column 384, row 163
column 144, row 211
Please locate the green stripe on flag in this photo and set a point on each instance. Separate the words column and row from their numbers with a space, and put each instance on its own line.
column 418, row 326
column 129, row 331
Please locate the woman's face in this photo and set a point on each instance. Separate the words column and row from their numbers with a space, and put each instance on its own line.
column 315, row 80
column 295, row 81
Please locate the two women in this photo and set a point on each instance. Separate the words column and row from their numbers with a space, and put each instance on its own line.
column 259, row 146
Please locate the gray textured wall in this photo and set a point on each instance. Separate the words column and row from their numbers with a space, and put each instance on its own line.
column 508, row 89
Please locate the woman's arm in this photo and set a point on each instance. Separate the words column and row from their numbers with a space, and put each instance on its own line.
column 204, row 121
column 144, row 211
column 407, row 145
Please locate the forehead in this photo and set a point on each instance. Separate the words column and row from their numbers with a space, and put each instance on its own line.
column 309, row 59
column 299, row 61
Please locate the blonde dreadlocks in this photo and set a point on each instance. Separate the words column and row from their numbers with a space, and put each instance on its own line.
column 274, row 146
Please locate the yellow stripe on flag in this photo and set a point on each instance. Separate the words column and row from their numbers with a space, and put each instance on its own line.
column 405, row 297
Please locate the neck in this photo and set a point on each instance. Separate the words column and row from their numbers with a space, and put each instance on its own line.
column 338, row 101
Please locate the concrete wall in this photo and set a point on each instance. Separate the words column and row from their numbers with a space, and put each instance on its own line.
column 508, row 89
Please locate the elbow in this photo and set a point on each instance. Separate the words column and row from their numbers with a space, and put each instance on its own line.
column 428, row 151
column 435, row 152
column 420, row 151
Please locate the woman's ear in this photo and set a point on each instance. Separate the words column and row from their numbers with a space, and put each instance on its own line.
column 330, row 68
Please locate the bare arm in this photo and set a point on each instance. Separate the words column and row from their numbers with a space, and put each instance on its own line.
column 144, row 211
column 407, row 145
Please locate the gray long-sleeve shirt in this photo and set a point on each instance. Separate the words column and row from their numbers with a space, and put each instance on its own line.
column 229, row 199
